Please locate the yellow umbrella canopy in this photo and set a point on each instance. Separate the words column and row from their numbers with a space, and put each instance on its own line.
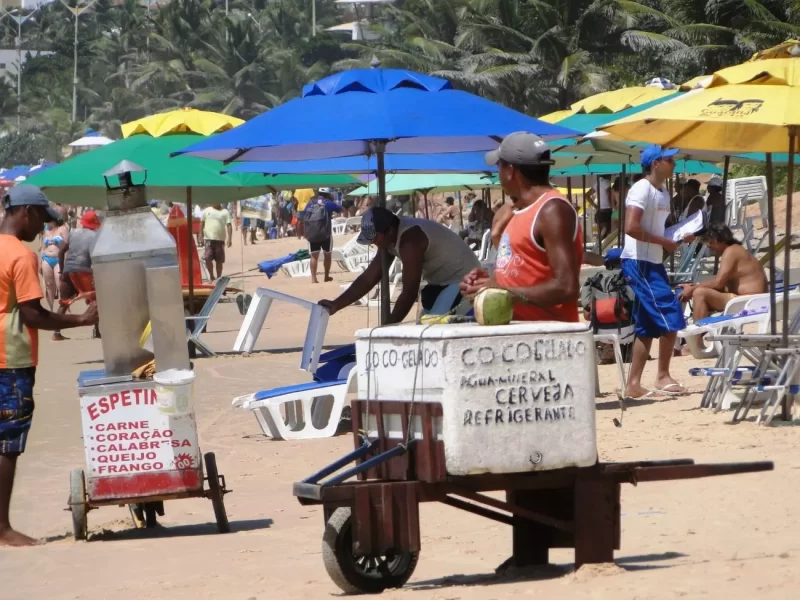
column 751, row 107
column 555, row 117
column 185, row 120
column 695, row 82
column 617, row 100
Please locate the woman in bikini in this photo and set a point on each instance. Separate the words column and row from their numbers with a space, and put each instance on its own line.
column 55, row 237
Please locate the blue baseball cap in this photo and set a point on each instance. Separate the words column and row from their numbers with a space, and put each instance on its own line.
column 656, row 152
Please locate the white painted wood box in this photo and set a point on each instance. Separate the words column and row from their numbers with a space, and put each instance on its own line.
column 515, row 398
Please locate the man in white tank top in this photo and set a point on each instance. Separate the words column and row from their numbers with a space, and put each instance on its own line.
column 426, row 249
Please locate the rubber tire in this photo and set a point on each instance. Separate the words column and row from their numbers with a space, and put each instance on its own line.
column 216, row 493
column 77, row 504
column 337, row 554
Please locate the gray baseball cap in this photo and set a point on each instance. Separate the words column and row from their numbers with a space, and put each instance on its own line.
column 521, row 148
column 715, row 181
column 26, row 194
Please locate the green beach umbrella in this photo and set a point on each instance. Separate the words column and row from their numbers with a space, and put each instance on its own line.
column 79, row 180
column 429, row 184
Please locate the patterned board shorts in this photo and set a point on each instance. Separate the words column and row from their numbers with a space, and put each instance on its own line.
column 214, row 250
column 16, row 408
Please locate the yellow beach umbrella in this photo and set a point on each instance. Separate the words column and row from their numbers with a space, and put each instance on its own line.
column 752, row 107
column 555, row 117
column 185, row 120
column 700, row 81
column 617, row 100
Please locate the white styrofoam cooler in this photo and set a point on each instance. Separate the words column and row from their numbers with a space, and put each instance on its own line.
column 515, row 398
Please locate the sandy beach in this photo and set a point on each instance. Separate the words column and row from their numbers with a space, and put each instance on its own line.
column 732, row 537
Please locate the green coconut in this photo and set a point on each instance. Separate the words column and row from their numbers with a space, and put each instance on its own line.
column 493, row 307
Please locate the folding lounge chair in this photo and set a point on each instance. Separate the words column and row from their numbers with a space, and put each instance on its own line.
column 257, row 314
column 300, row 412
column 728, row 372
column 196, row 324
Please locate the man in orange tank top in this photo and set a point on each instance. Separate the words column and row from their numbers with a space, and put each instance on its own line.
column 541, row 250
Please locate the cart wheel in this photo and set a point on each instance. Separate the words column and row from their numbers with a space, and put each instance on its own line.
column 361, row 575
column 216, row 493
column 77, row 503
column 150, row 515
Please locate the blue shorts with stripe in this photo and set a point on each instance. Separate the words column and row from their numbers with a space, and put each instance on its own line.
column 16, row 408
column 656, row 309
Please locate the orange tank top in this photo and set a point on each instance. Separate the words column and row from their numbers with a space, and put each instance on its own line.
column 522, row 262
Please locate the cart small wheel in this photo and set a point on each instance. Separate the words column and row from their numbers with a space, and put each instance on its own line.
column 216, row 493
column 77, row 503
column 361, row 575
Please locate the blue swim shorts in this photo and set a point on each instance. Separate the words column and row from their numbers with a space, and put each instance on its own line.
column 16, row 408
column 656, row 309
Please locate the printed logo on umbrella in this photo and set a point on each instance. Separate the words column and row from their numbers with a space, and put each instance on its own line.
column 732, row 108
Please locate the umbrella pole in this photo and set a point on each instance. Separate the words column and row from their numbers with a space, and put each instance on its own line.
column 190, row 241
column 584, row 213
column 380, row 148
column 773, row 317
column 597, row 210
column 425, row 200
column 787, row 249
column 460, row 210
column 569, row 190
column 623, row 192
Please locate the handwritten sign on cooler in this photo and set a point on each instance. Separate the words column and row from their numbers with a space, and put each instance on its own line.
column 127, row 432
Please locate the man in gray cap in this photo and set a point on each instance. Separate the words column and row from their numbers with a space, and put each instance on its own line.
column 25, row 211
column 427, row 250
column 541, row 248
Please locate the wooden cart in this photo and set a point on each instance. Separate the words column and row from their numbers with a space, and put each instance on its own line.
column 372, row 532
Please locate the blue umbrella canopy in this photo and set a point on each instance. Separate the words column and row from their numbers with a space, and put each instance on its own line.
column 362, row 111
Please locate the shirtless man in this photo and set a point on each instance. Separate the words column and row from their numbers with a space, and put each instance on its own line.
column 739, row 274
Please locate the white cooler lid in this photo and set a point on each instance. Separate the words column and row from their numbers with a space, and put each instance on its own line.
column 469, row 330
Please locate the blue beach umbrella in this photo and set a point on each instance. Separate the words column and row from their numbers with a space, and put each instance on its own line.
column 373, row 111
column 365, row 112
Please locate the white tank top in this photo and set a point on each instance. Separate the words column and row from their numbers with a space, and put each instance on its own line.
column 448, row 258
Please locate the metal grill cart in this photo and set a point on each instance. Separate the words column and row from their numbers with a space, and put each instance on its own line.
column 140, row 436
column 449, row 412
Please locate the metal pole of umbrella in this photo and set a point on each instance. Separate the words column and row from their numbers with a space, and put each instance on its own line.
column 584, row 212
column 773, row 316
column 623, row 192
column 725, row 175
column 425, row 200
column 380, row 148
column 569, row 190
column 787, row 249
column 460, row 210
column 190, row 241
column 596, row 212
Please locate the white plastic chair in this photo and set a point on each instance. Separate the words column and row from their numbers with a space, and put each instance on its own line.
column 257, row 313
column 300, row 412
column 339, row 226
column 613, row 339
column 298, row 268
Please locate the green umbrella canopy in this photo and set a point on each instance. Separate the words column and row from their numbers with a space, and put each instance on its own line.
column 438, row 183
column 79, row 180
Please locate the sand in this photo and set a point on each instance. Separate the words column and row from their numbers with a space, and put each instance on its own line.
column 729, row 537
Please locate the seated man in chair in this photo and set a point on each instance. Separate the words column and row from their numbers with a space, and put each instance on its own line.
column 426, row 249
column 740, row 274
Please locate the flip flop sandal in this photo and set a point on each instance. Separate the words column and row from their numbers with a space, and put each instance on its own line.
column 680, row 391
column 240, row 304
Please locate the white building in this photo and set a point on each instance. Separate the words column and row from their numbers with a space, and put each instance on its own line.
column 8, row 61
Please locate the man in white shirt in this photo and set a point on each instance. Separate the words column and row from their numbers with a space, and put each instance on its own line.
column 656, row 311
